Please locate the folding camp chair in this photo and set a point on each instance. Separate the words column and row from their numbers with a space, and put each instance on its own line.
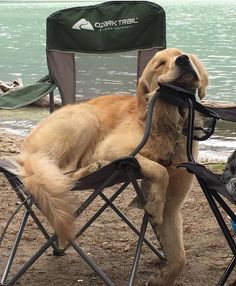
column 23, row 96
column 201, row 125
column 115, row 26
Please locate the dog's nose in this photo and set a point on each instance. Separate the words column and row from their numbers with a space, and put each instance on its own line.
column 182, row 60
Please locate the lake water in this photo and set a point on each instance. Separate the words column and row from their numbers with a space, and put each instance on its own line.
column 206, row 28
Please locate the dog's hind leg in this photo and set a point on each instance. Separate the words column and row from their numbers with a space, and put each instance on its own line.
column 170, row 231
column 155, row 184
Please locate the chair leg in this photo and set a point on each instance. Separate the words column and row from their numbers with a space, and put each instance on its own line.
column 94, row 194
column 29, row 212
column 121, row 215
column 14, row 247
column 134, row 269
column 138, row 250
column 56, row 249
column 51, row 241
column 97, row 214
column 31, row 261
column 221, row 222
column 141, row 234
column 17, row 187
column 227, row 272
column 212, row 198
column 134, row 229
column 92, row 264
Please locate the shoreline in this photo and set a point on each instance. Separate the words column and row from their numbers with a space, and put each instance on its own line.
column 10, row 145
column 218, row 148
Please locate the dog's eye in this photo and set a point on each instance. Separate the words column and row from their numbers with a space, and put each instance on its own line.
column 159, row 64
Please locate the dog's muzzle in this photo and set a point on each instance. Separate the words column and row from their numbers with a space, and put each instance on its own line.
column 186, row 68
column 182, row 60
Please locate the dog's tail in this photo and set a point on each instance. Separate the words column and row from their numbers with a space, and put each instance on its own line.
column 50, row 189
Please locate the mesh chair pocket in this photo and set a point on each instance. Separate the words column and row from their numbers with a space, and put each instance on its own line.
column 204, row 127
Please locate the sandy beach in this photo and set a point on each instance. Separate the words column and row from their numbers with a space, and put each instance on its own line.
column 111, row 243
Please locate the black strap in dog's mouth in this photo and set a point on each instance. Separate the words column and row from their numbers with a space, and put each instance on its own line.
column 179, row 96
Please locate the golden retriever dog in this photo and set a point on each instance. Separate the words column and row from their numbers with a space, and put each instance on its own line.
column 86, row 135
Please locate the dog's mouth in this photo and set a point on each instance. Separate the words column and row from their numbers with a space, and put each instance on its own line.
column 190, row 88
column 187, row 78
column 186, row 75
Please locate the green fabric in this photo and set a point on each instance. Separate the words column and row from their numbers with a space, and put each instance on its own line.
column 25, row 95
column 96, row 28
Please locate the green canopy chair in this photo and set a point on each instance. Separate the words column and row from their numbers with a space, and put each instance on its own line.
column 111, row 27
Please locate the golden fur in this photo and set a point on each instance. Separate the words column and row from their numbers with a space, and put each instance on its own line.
column 108, row 127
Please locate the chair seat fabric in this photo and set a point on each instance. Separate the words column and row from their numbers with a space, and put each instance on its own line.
column 95, row 179
column 120, row 165
column 212, row 180
column 7, row 165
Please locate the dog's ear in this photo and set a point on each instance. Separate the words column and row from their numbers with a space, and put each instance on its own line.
column 203, row 75
column 143, row 90
column 150, row 75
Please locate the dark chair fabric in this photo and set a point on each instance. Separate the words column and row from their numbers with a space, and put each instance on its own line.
column 211, row 180
column 120, row 165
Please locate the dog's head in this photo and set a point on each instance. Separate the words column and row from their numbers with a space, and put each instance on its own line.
column 173, row 66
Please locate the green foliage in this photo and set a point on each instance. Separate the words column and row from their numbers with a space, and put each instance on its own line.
column 216, row 167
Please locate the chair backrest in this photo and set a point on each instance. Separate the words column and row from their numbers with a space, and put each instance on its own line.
column 201, row 117
column 114, row 26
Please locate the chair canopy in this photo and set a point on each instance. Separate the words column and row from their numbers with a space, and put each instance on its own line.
column 111, row 27
column 114, row 26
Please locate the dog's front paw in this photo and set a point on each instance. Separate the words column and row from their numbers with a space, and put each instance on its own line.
column 136, row 203
column 96, row 166
column 85, row 171
column 158, row 281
